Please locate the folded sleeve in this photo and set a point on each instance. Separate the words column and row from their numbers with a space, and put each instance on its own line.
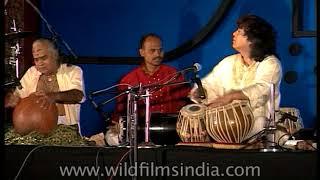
column 76, row 81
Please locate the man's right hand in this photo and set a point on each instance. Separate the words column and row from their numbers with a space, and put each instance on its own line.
column 115, row 128
column 11, row 100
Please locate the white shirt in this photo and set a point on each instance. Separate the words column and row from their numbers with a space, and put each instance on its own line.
column 254, row 81
column 68, row 77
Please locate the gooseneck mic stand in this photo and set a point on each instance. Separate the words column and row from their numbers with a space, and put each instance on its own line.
column 55, row 35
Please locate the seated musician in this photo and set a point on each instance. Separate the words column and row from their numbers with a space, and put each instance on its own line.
column 52, row 82
column 165, row 99
column 248, row 74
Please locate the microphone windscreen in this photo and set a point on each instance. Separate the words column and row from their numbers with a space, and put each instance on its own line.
column 197, row 66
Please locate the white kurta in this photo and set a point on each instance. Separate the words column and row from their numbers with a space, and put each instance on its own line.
column 68, row 77
column 254, row 81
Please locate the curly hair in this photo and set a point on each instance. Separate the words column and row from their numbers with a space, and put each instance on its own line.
column 261, row 35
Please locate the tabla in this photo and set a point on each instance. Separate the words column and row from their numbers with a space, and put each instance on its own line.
column 191, row 124
column 287, row 127
column 231, row 123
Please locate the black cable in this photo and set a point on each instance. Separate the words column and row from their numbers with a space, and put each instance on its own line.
column 121, row 159
column 278, row 143
column 251, row 143
column 97, row 160
column 311, row 145
column 25, row 160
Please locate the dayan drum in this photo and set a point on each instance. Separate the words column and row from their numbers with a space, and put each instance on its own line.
column 291, row 125
column 231, row 123
column 287, row 125
column 191, row 124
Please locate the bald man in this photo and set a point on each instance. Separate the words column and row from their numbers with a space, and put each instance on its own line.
column 52, row 82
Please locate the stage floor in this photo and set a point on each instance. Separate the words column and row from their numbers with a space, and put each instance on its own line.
column 167, row 162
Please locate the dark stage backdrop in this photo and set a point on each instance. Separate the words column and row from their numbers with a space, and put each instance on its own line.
column 112, row 28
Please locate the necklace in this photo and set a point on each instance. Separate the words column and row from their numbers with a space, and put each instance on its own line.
column 50, row 77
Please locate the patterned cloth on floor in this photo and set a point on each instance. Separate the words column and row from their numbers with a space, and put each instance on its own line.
column 64, row 135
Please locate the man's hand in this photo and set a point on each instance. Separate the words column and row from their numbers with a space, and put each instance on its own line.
column 44, row 99
column 220, row 101
column 227, row 98
column 11, row 100
column 115, row 128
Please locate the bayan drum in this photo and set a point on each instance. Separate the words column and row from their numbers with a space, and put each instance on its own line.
column 162, row 130
column 191, row 124
column 230, row 124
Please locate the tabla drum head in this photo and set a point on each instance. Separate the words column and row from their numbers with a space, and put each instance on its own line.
column 191, row 124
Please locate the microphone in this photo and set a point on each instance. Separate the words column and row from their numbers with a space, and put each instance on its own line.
column 285, row 116
column 195, row 67
column 200, row 87
column 15, row 83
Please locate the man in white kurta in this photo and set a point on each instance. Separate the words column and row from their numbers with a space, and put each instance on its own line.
column 251, row 74
column 68, row 78
column 52, row 82
column 231, row 74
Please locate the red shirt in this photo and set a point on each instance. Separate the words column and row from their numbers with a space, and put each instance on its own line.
column 166, row 99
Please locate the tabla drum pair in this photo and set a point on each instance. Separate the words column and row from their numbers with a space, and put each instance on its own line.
column 226, row 124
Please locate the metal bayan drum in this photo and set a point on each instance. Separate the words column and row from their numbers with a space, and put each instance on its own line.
column 162, row 129
column 191, row 124
column 231, row 123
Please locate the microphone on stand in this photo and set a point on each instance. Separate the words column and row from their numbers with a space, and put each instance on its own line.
column 285, row 116
column 14, row 83
column 197, row 67
column 200, row 87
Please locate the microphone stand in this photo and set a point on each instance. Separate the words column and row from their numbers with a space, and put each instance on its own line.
column 132, row 119
column 147, row 142
column 55, row 35
column 271, row 128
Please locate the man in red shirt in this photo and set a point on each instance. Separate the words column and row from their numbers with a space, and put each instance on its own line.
column 163, row 99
